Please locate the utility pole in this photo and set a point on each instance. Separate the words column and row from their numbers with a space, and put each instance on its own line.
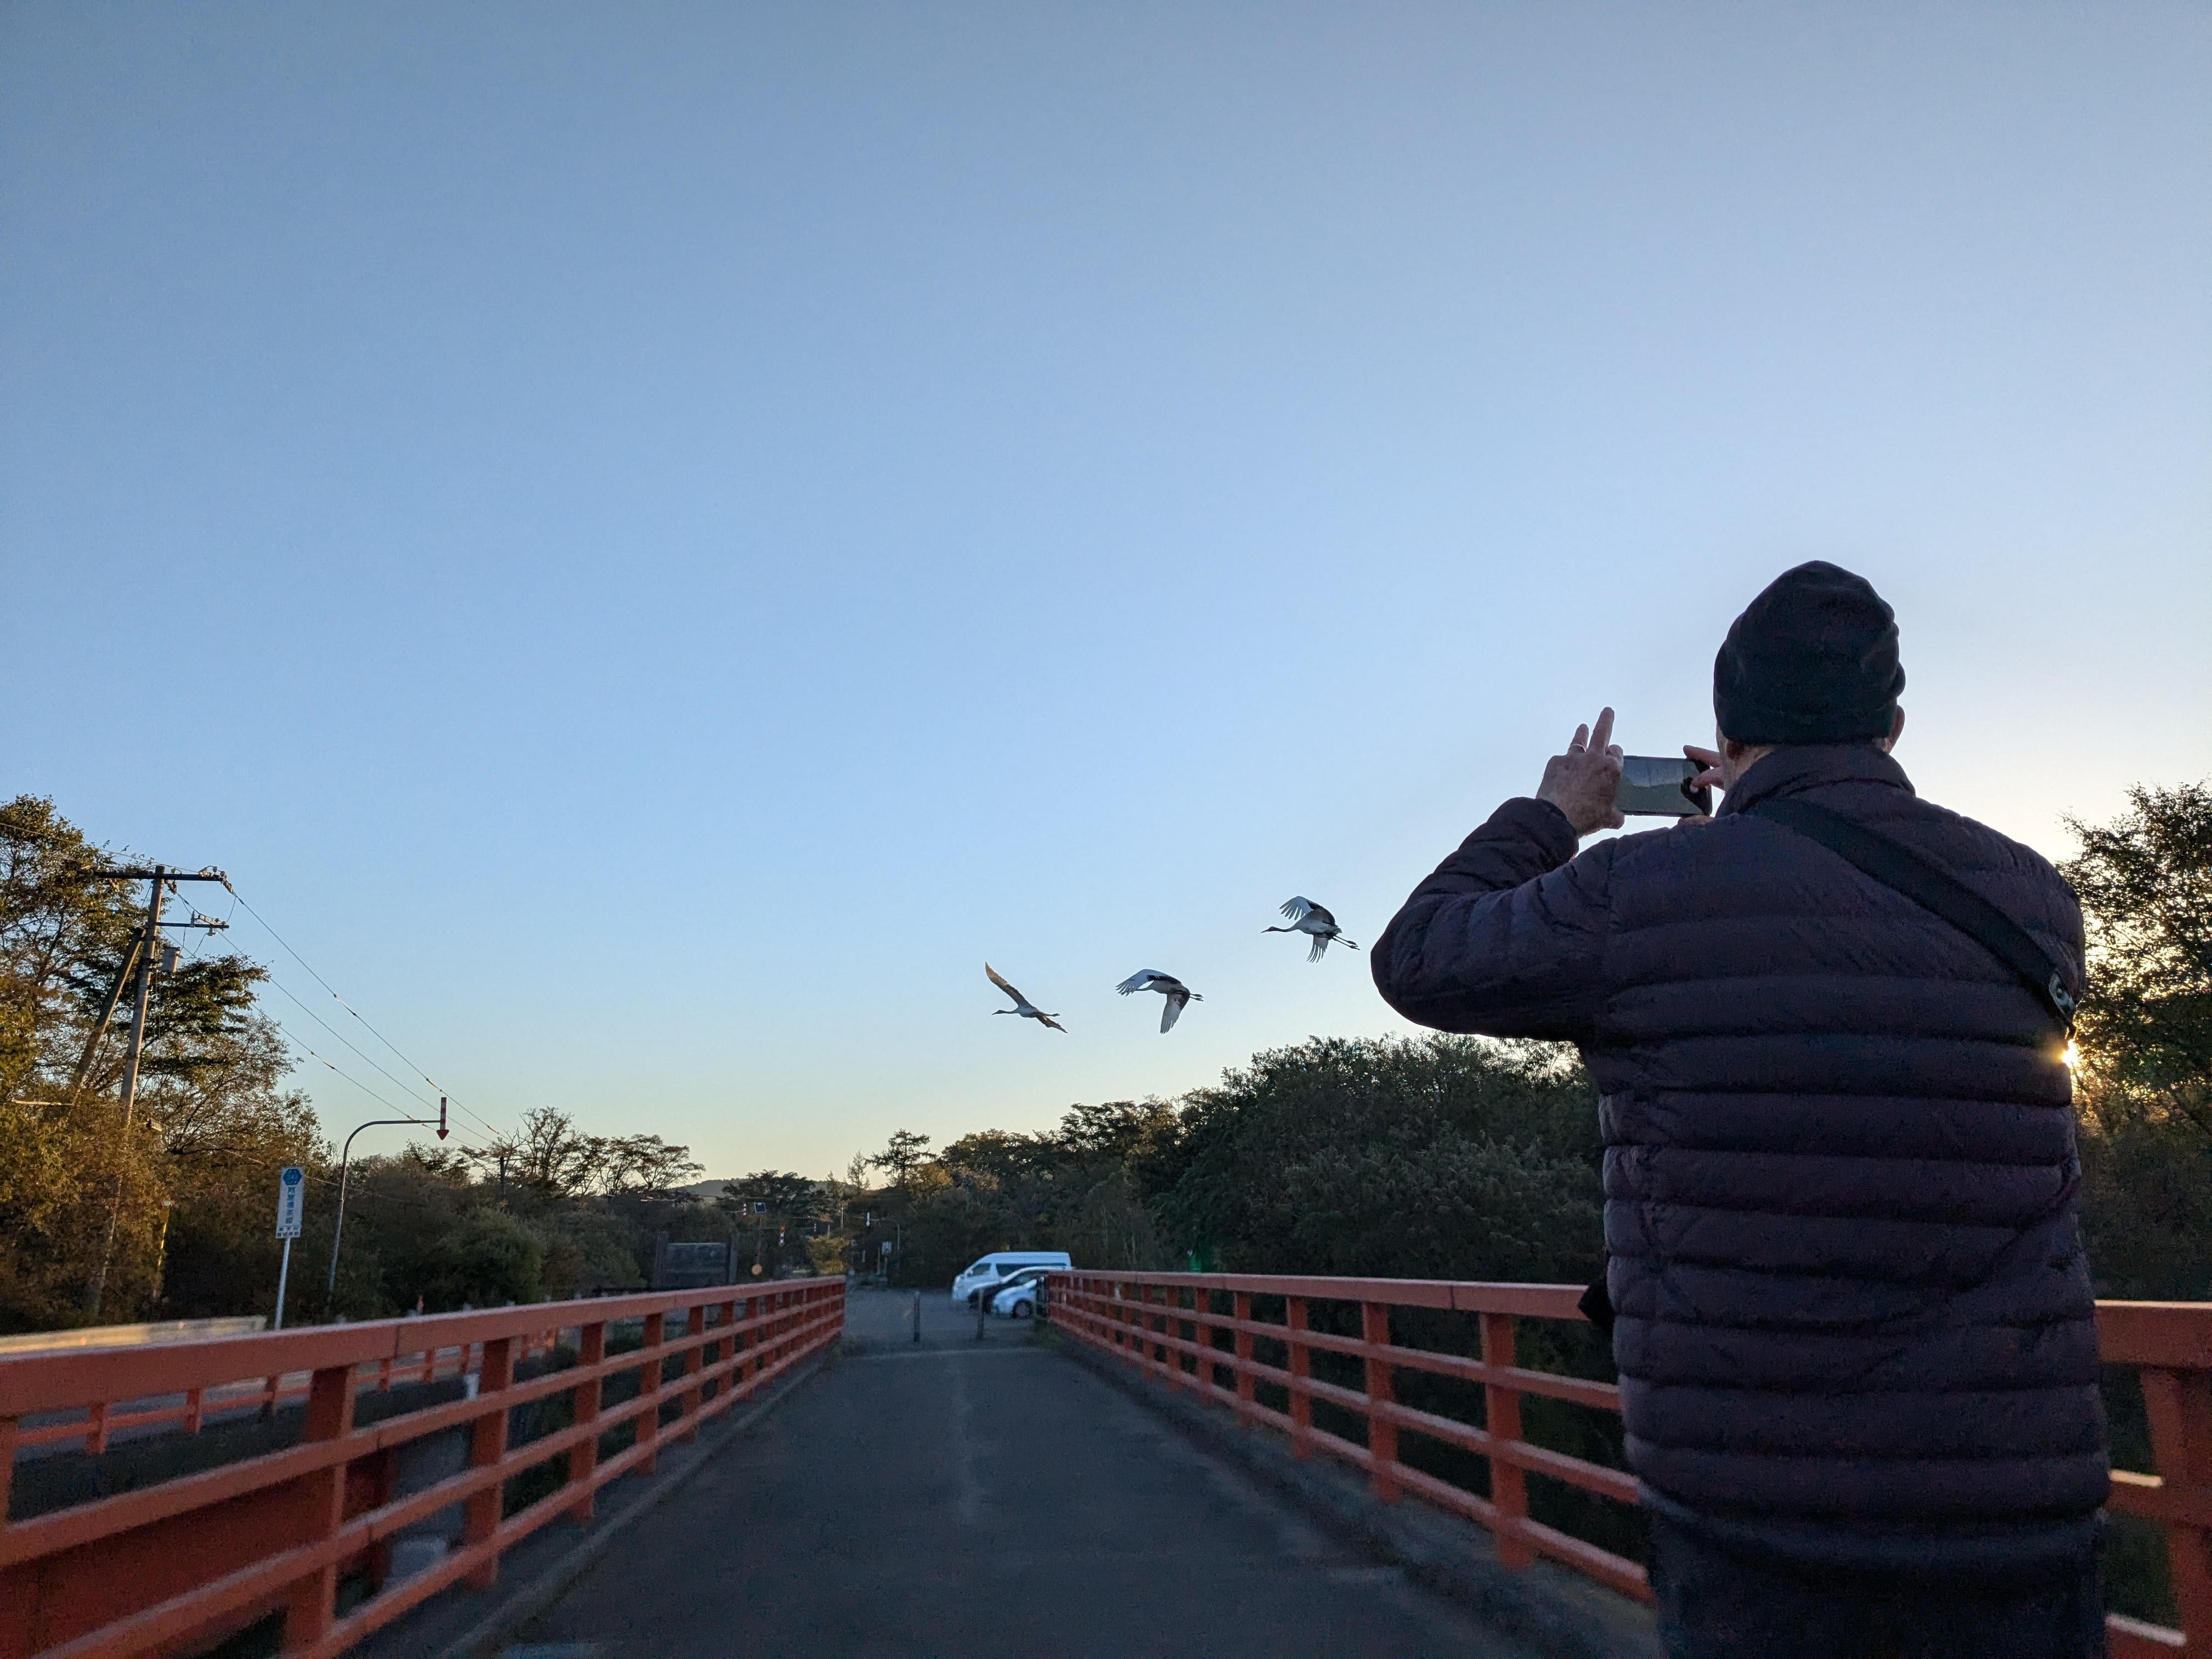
column 145, row 951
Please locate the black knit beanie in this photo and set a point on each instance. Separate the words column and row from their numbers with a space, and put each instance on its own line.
column 1812, row 659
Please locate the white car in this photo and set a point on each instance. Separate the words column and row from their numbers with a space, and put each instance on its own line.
column 1023, row 1295
column 988, row 1275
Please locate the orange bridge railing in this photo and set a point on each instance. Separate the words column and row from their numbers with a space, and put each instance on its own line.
column 175, row 1565
column 1227, row 1336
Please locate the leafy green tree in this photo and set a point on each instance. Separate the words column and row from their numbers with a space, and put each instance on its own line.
column 1441, row 1157
column 550, row 1159
column 2144, row 1037
column 211, row 1121
column 906, row 1152
column 484, row 1258
column 2145, row 881
column 775, row 1214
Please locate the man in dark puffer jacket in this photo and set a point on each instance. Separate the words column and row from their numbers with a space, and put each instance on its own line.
column 1857, row 1354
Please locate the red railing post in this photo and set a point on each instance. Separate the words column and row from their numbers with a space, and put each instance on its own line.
column 1240, row 1305
column 2179, row 1407
column 487, row 1446
column 310, row 1608
column 1175, row 1330
column 95, row 1428
column 584, row 1407
column 1501, row 1410
column 695, row 1324
column 1381, row 1432
column 1212, row 1328
column 7, row 1465
column 1202, row 1338
column 1208, row 1334
column 195, row 1409
column 728, row 1347
column 1176, row 1334
column 1301, row 1358
column 649, row 1379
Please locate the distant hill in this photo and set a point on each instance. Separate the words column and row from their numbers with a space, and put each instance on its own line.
column 707, row 1189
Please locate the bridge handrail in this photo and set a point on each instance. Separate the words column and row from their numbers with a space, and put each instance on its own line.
column 1175, row 1327
column 191, row 1558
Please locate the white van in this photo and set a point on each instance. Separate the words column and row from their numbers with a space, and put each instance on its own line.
column 987, row 1271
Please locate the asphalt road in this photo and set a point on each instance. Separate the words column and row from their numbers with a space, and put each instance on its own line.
column 982, row 1499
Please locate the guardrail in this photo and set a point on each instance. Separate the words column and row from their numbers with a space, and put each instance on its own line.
column 132, row 1336
column 94, row 1427
column 1202, row 1332
column 177, row 1565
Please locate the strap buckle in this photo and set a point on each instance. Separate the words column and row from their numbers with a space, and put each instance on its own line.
column 2061, row 998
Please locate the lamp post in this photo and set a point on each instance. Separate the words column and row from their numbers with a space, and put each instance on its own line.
column 345, row 1165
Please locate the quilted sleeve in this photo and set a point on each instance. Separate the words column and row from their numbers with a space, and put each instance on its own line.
column 1507, row 937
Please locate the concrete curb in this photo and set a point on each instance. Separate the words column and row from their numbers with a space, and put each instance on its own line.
column 1544, row 1606
column 547, row 1581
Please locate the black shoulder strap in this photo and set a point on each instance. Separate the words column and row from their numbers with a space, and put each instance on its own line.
column 1933, row 889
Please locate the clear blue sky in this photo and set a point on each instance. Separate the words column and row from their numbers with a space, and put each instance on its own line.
column 651, row 539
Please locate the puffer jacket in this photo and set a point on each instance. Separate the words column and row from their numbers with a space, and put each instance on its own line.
column 1855, row 1323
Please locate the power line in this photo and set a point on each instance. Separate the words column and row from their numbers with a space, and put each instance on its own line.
column 355, row 1081
column 304, row 1008
column 354, row 1011
column 399, row 1083
column 370, row 1059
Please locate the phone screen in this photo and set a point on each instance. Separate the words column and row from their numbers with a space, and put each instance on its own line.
column 1656, row 785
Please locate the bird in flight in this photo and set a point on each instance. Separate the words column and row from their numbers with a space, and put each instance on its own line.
column 1177, row 993
column 1022, row 1005
column 1307, row 917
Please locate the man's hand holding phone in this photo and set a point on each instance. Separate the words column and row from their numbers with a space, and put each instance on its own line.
column 1598, row 786
column 1709, row 767
column 1583, row 783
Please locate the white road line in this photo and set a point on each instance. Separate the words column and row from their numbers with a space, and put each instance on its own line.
column 969, row 1503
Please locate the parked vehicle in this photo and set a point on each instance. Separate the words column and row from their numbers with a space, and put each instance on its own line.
column 990, row 1272
column 1024, row 1295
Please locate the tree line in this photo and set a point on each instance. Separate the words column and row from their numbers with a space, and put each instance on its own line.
column 1444, row 1157
column 1413, row 1157
column 171, row 1216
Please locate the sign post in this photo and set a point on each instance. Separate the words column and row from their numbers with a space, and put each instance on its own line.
column 291, row 1200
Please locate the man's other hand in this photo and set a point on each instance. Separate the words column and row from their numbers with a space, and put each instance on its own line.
column 1582, row 781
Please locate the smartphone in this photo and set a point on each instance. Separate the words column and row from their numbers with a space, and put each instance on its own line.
column 1655, row 787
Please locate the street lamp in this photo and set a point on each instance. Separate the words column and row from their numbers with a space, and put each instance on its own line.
column 345, row 1164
